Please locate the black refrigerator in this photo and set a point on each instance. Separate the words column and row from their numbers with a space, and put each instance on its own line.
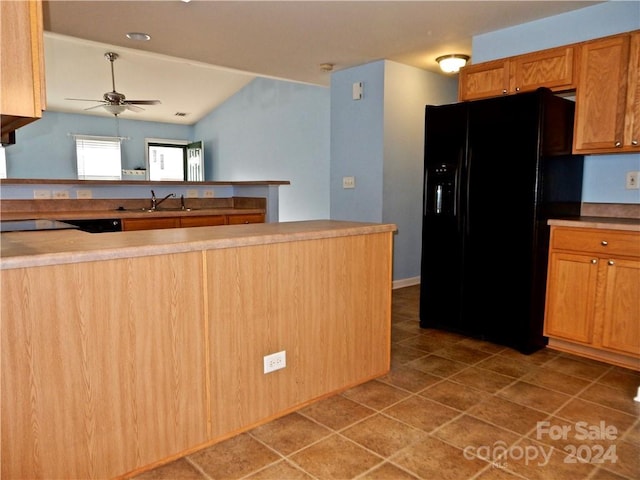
column 495, row 171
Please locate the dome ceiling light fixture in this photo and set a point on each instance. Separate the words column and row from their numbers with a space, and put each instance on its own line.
column 452, row 63
column 140, row 36
column 326, row 67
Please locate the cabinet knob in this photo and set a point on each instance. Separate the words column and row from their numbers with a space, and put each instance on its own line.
column 611, row 262
column 604, row 243
column 634, row 143
column 504, row 92
column 618, row 144
column 594, row 260
column 517, row 89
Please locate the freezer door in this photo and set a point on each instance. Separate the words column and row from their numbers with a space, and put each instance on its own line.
column 442, row 235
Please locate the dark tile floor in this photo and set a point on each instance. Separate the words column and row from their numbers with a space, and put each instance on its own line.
column 451, row 408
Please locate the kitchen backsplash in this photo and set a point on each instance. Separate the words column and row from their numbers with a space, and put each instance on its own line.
column 616, row 210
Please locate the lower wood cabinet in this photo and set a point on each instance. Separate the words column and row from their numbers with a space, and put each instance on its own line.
column 111, row 367
column 102, row 366
column 208, row 221
column 245, row 218
column 129, row 224
column 593, row 287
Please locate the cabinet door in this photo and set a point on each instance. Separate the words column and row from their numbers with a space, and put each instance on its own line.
column 22, row 96
column 488, row 79
column 105, row 375
column 601, row 96
column 129, row 224
column 204, row 221
column 550, row 68
column 571, row 290
column 621, row 313
column 246, row 218
column 632, row 114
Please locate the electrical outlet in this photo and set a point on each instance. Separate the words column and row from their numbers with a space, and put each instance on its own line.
column 84, row 194
column 192, row 193
column 275, row 361
column 348, row 182
column 208, row 194
column 632, row 181
column 61, row 194
column 41, row 194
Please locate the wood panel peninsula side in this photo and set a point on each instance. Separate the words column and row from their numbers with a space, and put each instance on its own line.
column 122, row 351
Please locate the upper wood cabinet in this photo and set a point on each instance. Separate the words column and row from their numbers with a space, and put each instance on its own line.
column 22, row 86
column 608, row 96
column 488, row 79
column 553, row 68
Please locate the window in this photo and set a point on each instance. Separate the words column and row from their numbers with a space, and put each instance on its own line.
column 174, row 160
column 98, row 158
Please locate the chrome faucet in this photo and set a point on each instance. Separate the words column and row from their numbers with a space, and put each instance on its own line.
column 155, row 203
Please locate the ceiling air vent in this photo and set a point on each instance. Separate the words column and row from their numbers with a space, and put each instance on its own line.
column 181, row 114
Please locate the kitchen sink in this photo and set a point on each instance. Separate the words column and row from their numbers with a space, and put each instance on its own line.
column 158, row 210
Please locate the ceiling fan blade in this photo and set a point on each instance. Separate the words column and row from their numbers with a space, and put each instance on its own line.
column 95, row 106
column 114, row 102
column 142, row 102
column 84, row 100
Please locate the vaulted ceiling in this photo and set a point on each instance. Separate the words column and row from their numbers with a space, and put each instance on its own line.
column 203, row 51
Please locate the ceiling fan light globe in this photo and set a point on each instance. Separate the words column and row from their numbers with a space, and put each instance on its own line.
column 115, row 109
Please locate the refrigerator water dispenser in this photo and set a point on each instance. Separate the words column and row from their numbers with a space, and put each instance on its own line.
column 441, row 189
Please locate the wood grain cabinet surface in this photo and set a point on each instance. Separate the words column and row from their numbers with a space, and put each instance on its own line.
column 553, row 68
column 608, row 96
column 111, row 367
column 129, row 224
column 102, row 366
column 22, row 84
column 593, row 302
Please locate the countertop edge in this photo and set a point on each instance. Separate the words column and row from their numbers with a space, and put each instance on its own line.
column 71, row 181
column 129, row 213
column 626, row 224
column 72, row 246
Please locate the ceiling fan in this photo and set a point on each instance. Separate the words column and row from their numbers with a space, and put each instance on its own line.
column 115, row 102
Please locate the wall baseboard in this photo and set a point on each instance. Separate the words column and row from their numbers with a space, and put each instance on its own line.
column 406, row 282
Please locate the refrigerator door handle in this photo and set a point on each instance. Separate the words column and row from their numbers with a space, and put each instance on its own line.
column 458, row 192
column 467, row 223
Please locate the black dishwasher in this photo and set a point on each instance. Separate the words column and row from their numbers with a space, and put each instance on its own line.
column 99, row 225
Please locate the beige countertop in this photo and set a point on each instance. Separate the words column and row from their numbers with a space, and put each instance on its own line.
column 39, row 248
column 628, row 224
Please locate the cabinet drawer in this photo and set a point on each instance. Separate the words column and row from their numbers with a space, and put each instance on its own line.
column 208, row 221
column 602, row 242
column 129, row 224
column 246, row 218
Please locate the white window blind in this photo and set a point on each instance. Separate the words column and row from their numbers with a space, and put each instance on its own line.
column 98, row 157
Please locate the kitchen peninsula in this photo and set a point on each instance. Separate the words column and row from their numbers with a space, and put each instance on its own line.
column 124, row 350
column 25, row 198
